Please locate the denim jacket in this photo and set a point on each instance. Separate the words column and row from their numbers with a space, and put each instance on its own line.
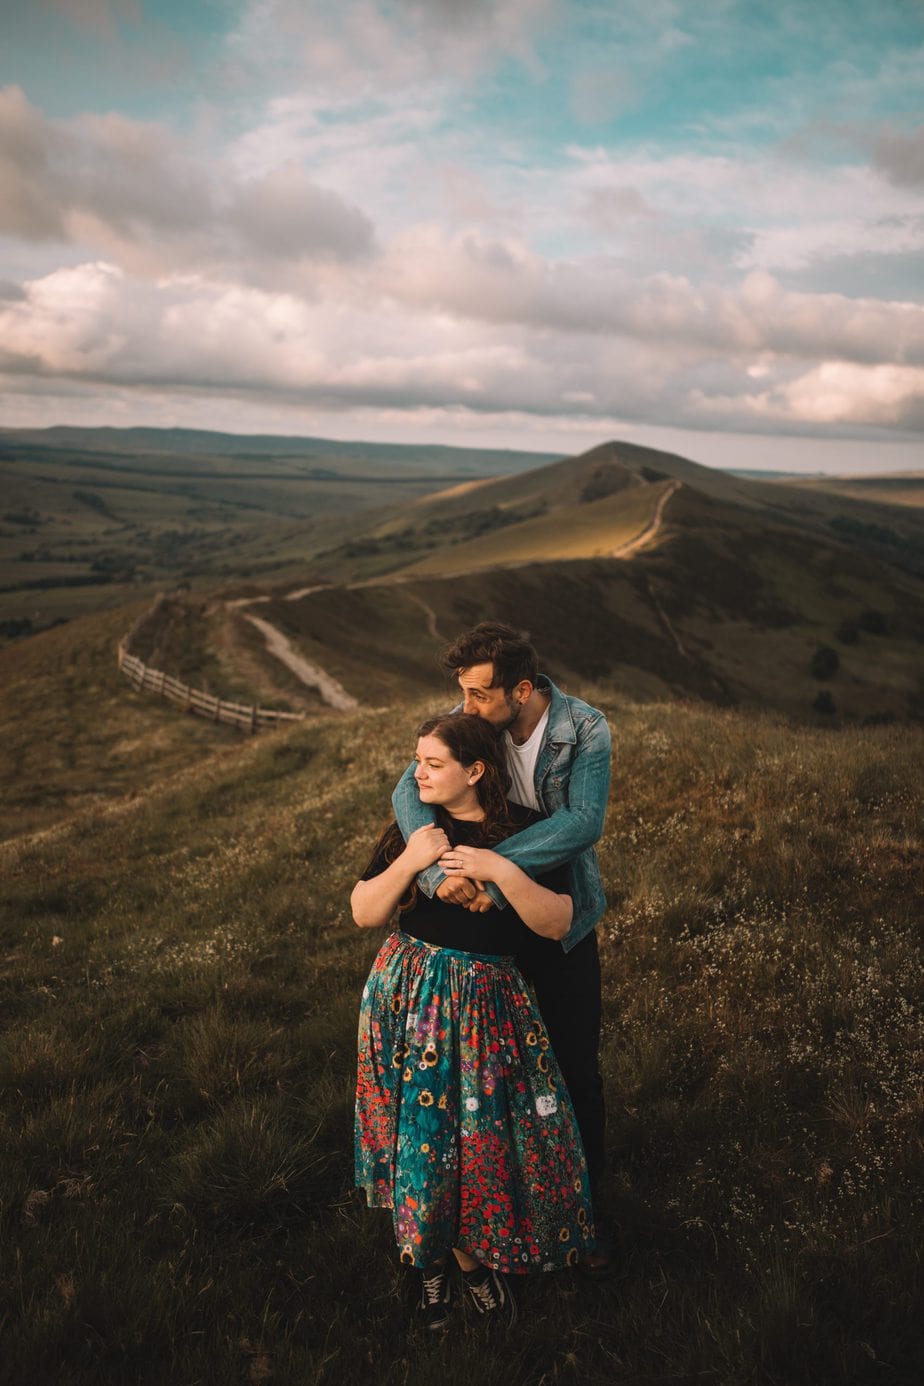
column 572, row 785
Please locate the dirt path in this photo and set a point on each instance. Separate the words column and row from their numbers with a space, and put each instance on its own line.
column 237, row 603
column 432, row 628
column 333, row 693
column 626, row 550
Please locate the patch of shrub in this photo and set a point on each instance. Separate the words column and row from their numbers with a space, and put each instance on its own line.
column 825, row 662
column 873, row 622
column 605, row 481
column 851, row 528
column 824, row 703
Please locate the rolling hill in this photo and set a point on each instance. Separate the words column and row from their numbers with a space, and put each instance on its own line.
column 93, row 518
column 634, row 567
column 643, row 569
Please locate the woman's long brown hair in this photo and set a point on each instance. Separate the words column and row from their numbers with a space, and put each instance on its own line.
column 467, row 738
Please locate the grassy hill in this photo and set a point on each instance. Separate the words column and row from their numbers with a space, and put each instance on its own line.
column 900, row 488
column 75, row 735
column 744, row 592
column 662, row 576
column 179, row 979
column 180, row 984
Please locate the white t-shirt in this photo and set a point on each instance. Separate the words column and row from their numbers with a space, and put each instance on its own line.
column 521, row 762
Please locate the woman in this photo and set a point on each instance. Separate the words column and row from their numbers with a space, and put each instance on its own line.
column 463, row 1126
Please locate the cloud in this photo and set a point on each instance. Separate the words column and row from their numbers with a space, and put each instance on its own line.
column 834, row 393
column 609, row 208
column 901, row 156
column 388, row 204
column 598, row 94
column 360, row 47
column 133, row 188
column 101, row 17
column 346, row 348
column 502, row 280
column 30, row 153
column 285, row 215
column 71, row 322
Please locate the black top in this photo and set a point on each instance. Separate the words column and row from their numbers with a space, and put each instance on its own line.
column 497, row 932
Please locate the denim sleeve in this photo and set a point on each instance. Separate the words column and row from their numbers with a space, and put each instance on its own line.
column 578, row 824
column 412, row 814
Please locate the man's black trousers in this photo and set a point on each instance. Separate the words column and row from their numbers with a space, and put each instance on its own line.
column 567, row 988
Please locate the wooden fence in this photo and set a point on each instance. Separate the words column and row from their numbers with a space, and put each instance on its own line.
column 146, row 680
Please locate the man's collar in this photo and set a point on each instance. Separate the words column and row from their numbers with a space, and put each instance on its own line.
column 561, row 723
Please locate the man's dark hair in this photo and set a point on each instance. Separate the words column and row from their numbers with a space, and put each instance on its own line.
column 492, row 642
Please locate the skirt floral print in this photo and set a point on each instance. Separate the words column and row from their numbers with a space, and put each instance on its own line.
column 464, row 1128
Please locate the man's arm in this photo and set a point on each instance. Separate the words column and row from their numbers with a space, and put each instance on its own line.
column 551, row 841
column 411, row 815
column 578, row 824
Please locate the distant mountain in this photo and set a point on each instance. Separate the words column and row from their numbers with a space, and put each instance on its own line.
column 189, row 444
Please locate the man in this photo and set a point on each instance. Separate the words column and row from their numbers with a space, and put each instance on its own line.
column 558, row 755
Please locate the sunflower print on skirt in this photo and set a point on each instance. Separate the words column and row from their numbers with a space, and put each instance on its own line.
column 464, row 1128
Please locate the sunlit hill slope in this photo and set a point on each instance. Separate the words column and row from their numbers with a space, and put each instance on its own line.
column 663, row 576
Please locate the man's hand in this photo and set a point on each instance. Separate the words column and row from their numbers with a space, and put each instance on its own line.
column 459, row 890
column 481, row 903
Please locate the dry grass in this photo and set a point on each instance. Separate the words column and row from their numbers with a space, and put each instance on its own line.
column 75, row 735
column 180, row 982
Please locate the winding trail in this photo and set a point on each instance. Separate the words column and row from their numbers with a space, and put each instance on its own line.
column 654, row 527
column 433, row 629
column 332, row 692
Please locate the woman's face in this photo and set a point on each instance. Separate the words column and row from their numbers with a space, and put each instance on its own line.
column 441, row 779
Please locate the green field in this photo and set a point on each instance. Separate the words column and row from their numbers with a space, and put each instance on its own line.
column 92, row 518
column 180, row 984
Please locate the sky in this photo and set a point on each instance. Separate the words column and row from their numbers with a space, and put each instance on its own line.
column 536, row 224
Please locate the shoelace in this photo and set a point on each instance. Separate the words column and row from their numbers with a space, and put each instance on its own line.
column 433, row 1287
column 484, row 1291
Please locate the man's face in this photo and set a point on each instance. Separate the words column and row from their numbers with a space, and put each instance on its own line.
column 481, row 698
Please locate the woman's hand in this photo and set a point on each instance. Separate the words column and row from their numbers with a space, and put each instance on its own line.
column 478, row 863
column 544, row 911
column 424, row 846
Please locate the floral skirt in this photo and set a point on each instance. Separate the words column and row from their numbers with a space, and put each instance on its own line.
column 464, row 1127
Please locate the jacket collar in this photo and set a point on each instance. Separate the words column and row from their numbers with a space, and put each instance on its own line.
column 561, row 723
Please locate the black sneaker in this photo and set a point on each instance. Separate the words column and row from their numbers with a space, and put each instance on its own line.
column 490, row 1294
column 435, row 1299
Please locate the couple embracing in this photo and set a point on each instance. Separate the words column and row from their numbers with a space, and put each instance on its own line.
column 479, row 1109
